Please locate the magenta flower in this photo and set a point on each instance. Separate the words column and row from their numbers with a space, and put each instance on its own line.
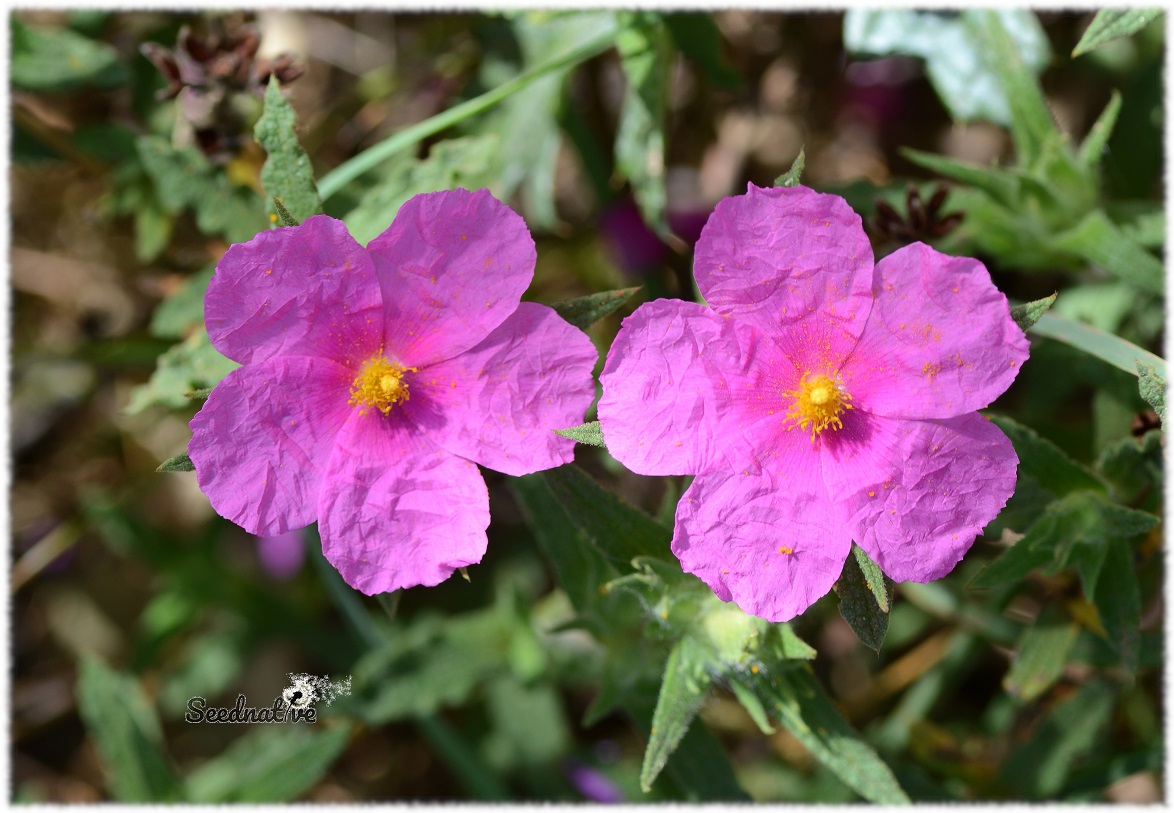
column 375, row 380
column 819, row 400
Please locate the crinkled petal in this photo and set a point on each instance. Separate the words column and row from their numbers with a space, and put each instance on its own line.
column 770, row 542
column 396, row 510
column 308, row 290
column 263, row 438
column 499, row 403
column 915, row 494
column 940, row 341
column 686, row 390
column 794, row 262
column 452, row 265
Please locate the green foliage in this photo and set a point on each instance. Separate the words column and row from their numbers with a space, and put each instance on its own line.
column 958, row 61
column 1029, row 313
column 127, row 734
column 589, row 433
column 865, row 598
column 1153, row 389
column 646, row 57
column 697, row 37
column 584, row 311
column 686, row 681
column 183, row 311
column 192, row 364
column 1122, row 354
column 1111, row 24
column 59, row 60
column 287, row 175
column 269, row 763
column 1040, row 658
column 180, row 462
column 453, row 164
column 791, row 176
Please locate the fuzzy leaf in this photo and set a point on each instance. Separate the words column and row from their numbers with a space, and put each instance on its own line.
column 1029, row 313
column 1031, row 122
column 1153, row 389
column 588, row 433
column 584, row 311
column 1094, row 144
column 1001, row 186
column 1113, row 23
column 794, row 697
column 287, row 175
column 686, row 682
column 180, row 462
column 1118, row 601
column 125, row 731
column 1108, row 347
column 646, row 57
column 59, row 60
column 1039, row 659
column 1099, row 240
column 1046, row 462
column 270, row 763
column 791, row 176
column 192, row 364
column 620, row 530
column 864, row 598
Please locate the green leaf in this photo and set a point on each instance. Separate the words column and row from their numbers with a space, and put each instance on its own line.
column 125, row 730
column 864, row 598
column 646, row 57
column 791, row 176
column 620, row 530
column 1111, row 24
column 1099, row 240
column 287, row 175
column 152, row 232
column 1134, row 467
column 1040, row 659
column 200, row 394
column 189, row 365
column 180, row 462
column 795, row 698
column 1038, row 768
column 459, row 163
column 787, row 645
column 588, row 433
column 753, row 705
column 60, row 60
column 183, row 311
column 579, row 565
column 1093, row 148
column 697, row 37
column 686, row 682
column 584, row 311
column 1029, row 313
column 1046, row 462
column 1153, row 389
column 1000, row 185
column 283, row 214
column 958, row 64
column 1118, row 601
column 1031, row 122
column 270, row 763
column 1106, row 346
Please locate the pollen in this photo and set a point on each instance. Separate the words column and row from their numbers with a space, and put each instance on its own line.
column 380, row 384
column 818, row 402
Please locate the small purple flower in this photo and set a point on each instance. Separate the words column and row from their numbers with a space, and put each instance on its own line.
column 592, row 784
column 376, row 379
column 819, row 400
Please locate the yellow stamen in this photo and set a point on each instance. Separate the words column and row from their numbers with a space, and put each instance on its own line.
column 380, row 384
column 818, row 402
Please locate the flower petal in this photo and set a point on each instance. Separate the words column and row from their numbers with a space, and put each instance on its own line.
column 770, row 542
column 452, row 266
column 685, row 390
column 396, row 510
column 795, row 263
column 940, row 341
column 262, row 439
column 499, row 403
column 915, row 494
column 308, row 290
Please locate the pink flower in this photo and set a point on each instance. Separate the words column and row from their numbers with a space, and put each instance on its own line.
column 819, row 399
column 375, row 380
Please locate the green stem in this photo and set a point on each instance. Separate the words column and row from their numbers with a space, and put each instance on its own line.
column 346, row 172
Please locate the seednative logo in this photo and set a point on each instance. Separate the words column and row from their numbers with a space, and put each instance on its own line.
column 295, row 704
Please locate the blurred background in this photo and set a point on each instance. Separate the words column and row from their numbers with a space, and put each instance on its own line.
column 132, row 170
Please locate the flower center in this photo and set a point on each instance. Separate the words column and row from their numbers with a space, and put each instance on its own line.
column 380, row 384
column 818, row 402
